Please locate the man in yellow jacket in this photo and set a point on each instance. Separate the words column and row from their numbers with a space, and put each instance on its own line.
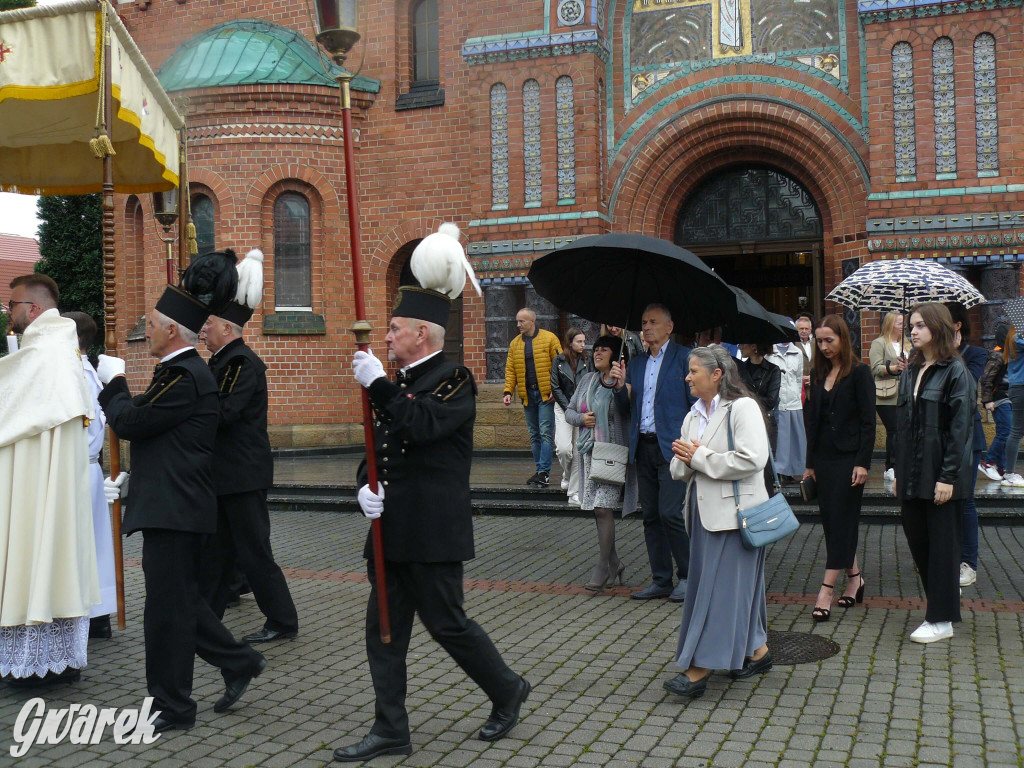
column 528, row 374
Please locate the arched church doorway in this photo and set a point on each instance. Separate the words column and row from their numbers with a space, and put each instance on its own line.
column 761, row 230
column 453, row 331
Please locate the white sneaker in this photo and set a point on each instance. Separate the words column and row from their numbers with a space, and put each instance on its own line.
column 930, row 633
column 574, row 500
column 1012, row 480
column 991, row 471
column 967, row 575
column 890, row 475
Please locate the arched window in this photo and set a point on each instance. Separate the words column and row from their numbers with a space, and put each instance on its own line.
column 903, row 111
column 944, row 99
column 292, row 258
column 425, row 49
column 531, row 143
column 566, row 120
column 499, row 146
column 203, row 218
column 985, row 106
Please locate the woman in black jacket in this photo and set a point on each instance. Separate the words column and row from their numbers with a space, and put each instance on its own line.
column 566, row 369
column 933, row 461
column 839, row 417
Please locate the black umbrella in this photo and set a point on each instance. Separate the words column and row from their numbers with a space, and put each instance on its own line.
column 756, row 325
column 611, row 278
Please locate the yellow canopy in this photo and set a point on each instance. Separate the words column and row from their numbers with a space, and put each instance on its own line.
column 51, row 73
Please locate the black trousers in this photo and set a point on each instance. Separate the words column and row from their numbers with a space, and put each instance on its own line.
column 839, row 504
column 661, row 502
column 933, row 533
column 890, row 416
column 434, row 591
column 243, row 539
column 179, row 624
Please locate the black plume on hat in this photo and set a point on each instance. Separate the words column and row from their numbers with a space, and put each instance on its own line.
column 212, row 279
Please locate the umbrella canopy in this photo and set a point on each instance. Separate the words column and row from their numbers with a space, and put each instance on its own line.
column 51, row 85
column 898, row 284
column 611, row 278
column 754, row 324
column 1014, row 311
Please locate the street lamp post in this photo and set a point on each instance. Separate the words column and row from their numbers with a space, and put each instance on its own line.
column 336, row 33
column 165, row 211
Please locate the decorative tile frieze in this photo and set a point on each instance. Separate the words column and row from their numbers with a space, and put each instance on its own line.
column 985, row 104
column 565, row 115
column 477, row 51
column 283, row 131
column 879, row 11
column 944, row 104
column 904, row 130
column 499, row 144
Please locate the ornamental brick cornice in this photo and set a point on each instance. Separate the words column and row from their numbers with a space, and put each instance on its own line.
column 477, row 51
column 879, row 11
column 300, row 132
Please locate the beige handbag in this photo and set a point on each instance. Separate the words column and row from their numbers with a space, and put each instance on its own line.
column 885, row 388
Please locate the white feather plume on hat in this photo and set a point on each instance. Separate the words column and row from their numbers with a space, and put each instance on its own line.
column 439, row 263
column 250, row 279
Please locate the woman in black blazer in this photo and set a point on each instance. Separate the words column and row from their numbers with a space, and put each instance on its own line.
column 839, row 417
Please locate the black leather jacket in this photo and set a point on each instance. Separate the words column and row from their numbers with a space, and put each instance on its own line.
column 563, row 378
column 933, row 441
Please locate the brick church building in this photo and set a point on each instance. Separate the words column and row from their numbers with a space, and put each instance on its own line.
column 784, row 141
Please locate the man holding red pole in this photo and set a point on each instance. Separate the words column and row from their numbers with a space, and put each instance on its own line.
column 423, row 425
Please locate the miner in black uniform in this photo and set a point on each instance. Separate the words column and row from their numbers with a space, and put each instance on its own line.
column 424, row 443
column 243, row 469
column 172, row 427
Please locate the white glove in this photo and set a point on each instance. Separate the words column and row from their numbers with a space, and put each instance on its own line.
column 115, row 489
column 367, row 368
column 371, row 503
column 108, row 367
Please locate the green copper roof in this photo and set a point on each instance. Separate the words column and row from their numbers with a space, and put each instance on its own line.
column 249, row 52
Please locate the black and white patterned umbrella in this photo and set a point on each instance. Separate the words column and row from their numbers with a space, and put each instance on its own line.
column 898, row 284
column 1014, row 311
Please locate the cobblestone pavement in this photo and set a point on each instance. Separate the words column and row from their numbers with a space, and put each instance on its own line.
column 596, row 663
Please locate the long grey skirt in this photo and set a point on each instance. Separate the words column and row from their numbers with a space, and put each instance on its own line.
column 725, row 618
column 791, row 451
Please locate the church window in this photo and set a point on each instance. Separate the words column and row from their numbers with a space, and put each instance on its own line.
column 425, row 48
column 944, row 100
column 499, row 146
column 531, row 142
column 566, row 120
column 985, row 106
column 203, row 218
column 292, row 258
column 903, row 111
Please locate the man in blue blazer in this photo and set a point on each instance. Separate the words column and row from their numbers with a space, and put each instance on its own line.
column 658, row 398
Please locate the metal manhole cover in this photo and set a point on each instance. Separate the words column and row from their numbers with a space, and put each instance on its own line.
column 799, row 647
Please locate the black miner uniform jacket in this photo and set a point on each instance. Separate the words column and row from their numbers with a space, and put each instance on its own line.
column 934, row 436
column 171, row 427
column 423, row 427
column 243, row 456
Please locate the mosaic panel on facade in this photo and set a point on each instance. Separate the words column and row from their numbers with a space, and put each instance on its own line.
column 985, row 104
column 531, row 142
column 565, row 115
column 499, row 144
column 944, row 101
column 671, row 36
column 903, row 111
column 748, row 204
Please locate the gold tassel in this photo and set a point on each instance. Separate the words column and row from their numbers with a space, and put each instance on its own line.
column 190, row 233
column 101, row 146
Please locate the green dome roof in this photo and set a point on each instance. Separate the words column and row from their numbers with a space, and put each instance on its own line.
column 250, row 52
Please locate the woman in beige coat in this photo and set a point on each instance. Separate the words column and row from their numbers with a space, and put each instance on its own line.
column 725, row 623
column 888, row 358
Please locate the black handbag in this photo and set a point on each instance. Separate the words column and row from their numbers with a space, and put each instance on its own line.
column 770, row 520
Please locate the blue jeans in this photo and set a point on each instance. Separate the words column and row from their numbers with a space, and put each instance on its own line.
column 1016, row 395
column 997, row 451
column 969, row 520
column 540, row 423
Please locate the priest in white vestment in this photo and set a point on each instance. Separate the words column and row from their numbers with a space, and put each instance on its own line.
column 48, row 578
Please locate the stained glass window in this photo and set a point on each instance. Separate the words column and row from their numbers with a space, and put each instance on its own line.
column 499, row 145
column 202, row 217
column 292, row 258
column 985, row 106
column 566, row 118
column 531, row 142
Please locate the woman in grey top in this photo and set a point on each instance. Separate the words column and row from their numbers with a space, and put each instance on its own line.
column 594, row 411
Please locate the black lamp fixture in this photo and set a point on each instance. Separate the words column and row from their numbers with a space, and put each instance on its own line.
column 165, row 211
column 336, row 27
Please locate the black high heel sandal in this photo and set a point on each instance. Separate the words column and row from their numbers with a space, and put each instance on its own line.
column 848, row 602
column 822, row 614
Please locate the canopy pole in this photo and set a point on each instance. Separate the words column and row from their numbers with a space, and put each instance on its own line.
column 184, row 208
column 110, row 314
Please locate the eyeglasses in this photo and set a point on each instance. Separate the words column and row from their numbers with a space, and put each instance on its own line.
column 10, row 304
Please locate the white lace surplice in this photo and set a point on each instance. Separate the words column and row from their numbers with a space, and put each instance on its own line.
column 41, row 648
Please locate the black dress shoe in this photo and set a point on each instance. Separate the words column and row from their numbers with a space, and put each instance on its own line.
column 99, row 627
column 162, row 724
column 751, row 667
column 681, row 685
column 234, row 689
column 269, row 635
column 504, row 719
column 652, row 592
column 372, row 745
